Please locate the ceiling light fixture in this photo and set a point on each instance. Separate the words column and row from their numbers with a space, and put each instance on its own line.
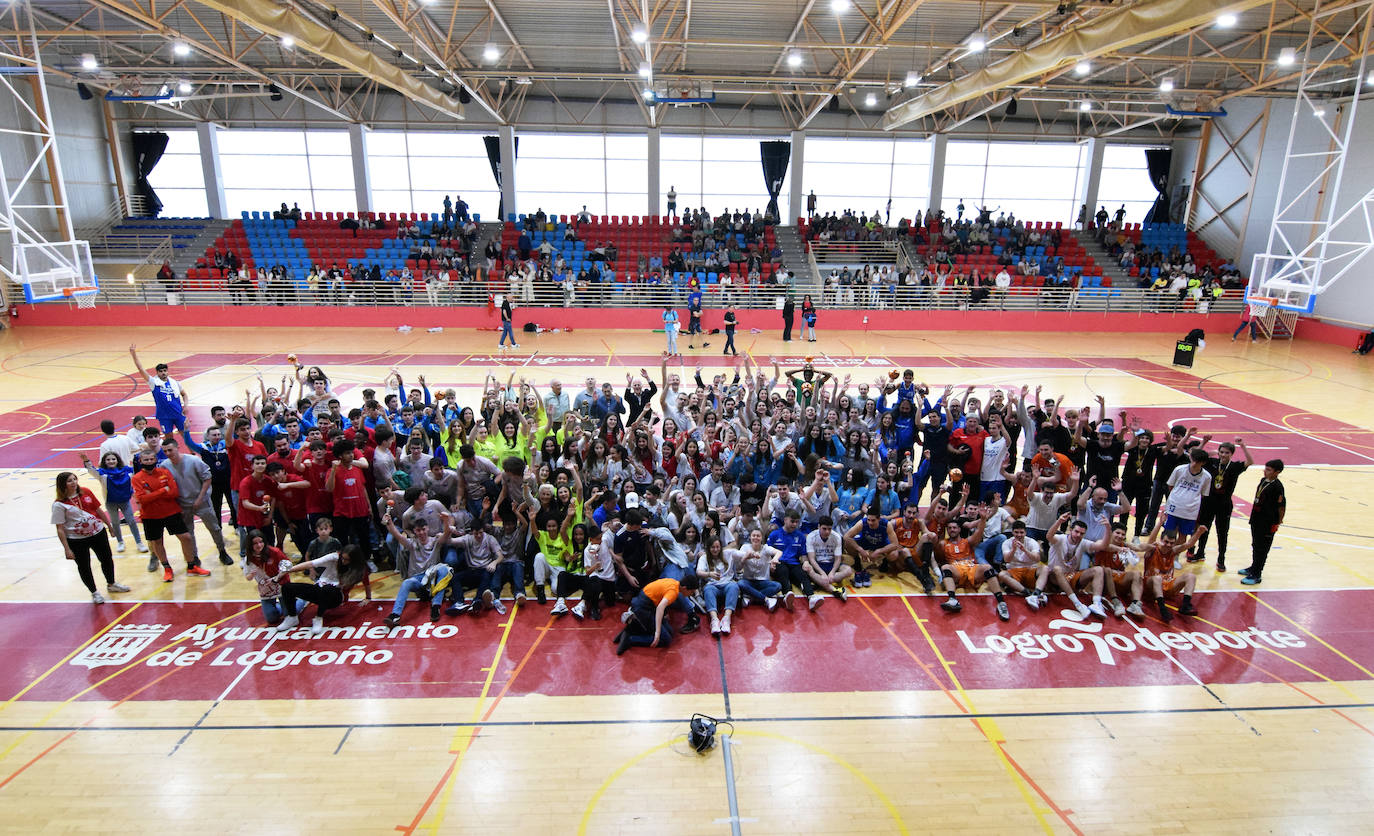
column 794, row 58
column 1226, row 20
column 88, row 63
column 1369, row 79
column 912, row 79
column 871, row 100
column 1085, row 106
column 1166, row 86
column 839, row 7
column 184, row 86
column 639, row 34
column 645, row 69
column 181, row 49
column 288, row 42
column 1319, row 112
column 649, row 95
column 1287, row 56
column 1082, row 68
column 491, row 52
column 977, row 42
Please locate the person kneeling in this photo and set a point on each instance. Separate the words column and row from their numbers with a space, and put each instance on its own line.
column 645, row 625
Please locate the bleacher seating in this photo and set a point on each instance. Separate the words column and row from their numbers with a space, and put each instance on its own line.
column 633, row 236
column 316, row 239
column 1165, row 237
column 182, row 231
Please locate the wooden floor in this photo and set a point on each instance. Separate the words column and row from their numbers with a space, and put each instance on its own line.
column 877, row 715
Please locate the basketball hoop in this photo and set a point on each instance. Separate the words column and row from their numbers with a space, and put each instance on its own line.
column 1260, row 305
column 84, row 296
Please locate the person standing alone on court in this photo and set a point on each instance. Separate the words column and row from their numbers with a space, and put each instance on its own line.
column 1266, row 515
column 507, row 319
column 789, row 310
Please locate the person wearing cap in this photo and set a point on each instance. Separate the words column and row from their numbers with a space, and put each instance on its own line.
column 1266, row 515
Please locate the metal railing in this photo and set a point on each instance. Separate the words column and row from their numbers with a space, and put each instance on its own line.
column 855, row 252
column 476, row 294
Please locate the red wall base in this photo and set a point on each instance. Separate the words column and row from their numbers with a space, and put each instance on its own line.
column 201, row 316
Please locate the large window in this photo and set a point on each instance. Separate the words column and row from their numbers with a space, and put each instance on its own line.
column 1034, row 181
column 263, row 169
column 717, row 172
column 861, row 175
column 412, row 172
column 179, row 179
column 1126, row 182
column 561, row 173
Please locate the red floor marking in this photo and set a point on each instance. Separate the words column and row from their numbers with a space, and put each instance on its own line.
column 839, row 648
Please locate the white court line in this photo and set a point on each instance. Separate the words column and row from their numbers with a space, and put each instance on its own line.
column 1277, row 426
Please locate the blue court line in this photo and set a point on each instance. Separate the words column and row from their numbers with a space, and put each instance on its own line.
column 991, row 715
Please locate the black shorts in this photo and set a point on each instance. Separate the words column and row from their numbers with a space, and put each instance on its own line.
column 174, row 525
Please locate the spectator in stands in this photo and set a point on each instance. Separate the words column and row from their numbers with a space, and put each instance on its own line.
column 672, row 201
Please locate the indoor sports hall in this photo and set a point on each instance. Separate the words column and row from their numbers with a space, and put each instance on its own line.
column 800, row 252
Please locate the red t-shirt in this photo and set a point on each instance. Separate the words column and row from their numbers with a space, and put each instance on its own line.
column 254, row 490
column 958, row 438
column 350, row 493
column 292, row 499
column 317, row 499
column 241, row 458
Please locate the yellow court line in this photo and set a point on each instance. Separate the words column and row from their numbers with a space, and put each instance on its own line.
column 123, row 669
column 615, row 776
column 1323, row 642
column 462, row 739
column 45, row 674
column 989, row 728
column 853, row 770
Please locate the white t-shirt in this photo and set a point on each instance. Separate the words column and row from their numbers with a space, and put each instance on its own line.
column 1187, row 491
column 1064, row 554
column 752, row 565
column 824, row 551
column 1042, row 514
column 597, row 558
column 994, row 456
column 1026, row 555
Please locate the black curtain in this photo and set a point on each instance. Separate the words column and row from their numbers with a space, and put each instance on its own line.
column 148, row 149
column 493, row 144
column 1157, row 164
column 776, row 155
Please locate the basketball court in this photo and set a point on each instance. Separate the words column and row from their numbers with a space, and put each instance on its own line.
column 172, row 708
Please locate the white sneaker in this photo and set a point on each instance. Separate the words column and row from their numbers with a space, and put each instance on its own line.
column 498, row 606
column 1135, row 610
column 625, row 617
column 119, row 547
column 143, row 547
column 841, row 593
column 787, row 600
column 520, row 597
column 771, row 603
column 288, row 623
column 725, row 624
column 715, row 624
column 1117, row 609
column 317, row 626
column 1096, row 609
column 97, row 598
column 1033, row 601
column 560, row 607
column 1002, row 611
column 815, row 601
column 116, row 587
column 580, row 611
column 1082, row 610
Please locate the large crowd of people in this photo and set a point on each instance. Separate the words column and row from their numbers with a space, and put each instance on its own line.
column 700, row 496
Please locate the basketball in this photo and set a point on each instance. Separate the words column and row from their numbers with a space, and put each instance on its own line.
column 955, row 474
column 291, row 358
column 894, row 374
